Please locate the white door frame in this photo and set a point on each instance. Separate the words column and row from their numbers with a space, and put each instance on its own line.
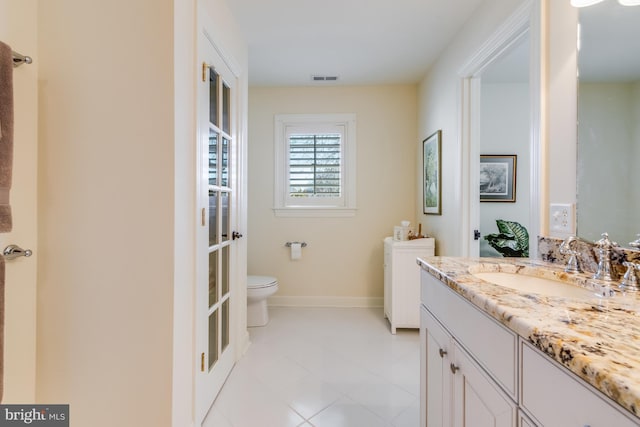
column 527, row 19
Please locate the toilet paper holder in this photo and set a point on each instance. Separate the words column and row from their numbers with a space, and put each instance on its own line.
column 302, row 244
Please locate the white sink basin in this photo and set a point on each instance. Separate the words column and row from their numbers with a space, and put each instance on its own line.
column 533, row 284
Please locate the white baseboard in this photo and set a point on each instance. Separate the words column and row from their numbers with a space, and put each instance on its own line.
column 362, row 302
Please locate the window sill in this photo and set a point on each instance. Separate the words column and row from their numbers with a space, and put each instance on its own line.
column 314, row 212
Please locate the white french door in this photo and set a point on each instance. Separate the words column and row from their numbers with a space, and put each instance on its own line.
column 217, row 205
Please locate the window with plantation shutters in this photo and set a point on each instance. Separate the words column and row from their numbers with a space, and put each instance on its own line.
column 315, row 165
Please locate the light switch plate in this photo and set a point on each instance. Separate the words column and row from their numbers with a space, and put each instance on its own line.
column 562, row 220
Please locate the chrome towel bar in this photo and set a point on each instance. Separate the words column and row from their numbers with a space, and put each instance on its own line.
column 15, row 251
column 19, row 59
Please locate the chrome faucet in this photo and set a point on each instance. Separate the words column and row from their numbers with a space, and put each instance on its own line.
column 604, row 247
column 629, row 281
column 568, row 248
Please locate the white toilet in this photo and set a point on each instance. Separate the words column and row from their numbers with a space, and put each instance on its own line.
column 259, row 288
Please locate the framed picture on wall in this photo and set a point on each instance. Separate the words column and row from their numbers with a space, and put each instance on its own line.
column 432, row 175
column 498, row 178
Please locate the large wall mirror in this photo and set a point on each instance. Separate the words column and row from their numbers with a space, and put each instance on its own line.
column 608, row 164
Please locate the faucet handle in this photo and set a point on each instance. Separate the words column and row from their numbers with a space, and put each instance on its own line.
column 629, row 281
column 572, row 264
column 605, row 243
column 566, row 249
column 566, row 246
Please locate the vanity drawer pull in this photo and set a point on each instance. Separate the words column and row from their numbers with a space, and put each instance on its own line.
column 442, row 352
column 454, row 368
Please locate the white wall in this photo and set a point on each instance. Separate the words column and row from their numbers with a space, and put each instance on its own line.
column 344, row 259
column 505, row 124
column 18, row 29
column 439, row 108
column 105, row 292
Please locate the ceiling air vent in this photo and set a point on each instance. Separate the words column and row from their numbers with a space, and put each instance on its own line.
column 324, row 78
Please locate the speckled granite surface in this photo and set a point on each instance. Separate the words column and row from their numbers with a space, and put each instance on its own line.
column 596, row 338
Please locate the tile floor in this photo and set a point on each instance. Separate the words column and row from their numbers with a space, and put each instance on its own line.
column 323, row 367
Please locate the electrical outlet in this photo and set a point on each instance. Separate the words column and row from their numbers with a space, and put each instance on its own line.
column 562, row 219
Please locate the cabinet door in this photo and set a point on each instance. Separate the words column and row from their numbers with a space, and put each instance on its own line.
column 435, row 376
column 477, row 400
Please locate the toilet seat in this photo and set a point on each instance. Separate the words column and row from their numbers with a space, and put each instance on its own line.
column 258, row 282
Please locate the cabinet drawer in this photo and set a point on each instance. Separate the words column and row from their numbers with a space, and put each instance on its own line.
column 493, row 345
column 556, row 398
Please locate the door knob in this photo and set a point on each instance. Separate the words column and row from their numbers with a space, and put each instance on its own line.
column 235, row 235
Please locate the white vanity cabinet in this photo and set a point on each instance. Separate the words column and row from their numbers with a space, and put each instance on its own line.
column 456, row 390
column 402, row 280
column 476, row 372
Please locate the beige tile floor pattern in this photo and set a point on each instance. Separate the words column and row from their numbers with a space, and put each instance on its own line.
column 323, row 367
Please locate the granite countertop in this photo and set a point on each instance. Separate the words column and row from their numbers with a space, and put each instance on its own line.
column 597, row 339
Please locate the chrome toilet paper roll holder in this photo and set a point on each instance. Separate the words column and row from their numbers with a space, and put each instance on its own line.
column 302, row 244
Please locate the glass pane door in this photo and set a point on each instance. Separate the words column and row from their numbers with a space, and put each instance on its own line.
column 215, row 245
column 219, row 214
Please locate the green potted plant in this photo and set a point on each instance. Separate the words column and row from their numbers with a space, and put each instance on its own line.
column 512, row 239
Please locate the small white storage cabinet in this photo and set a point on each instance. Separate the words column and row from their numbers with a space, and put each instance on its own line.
column 402, row 280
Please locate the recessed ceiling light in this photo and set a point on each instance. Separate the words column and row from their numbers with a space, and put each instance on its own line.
column 324, row 78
